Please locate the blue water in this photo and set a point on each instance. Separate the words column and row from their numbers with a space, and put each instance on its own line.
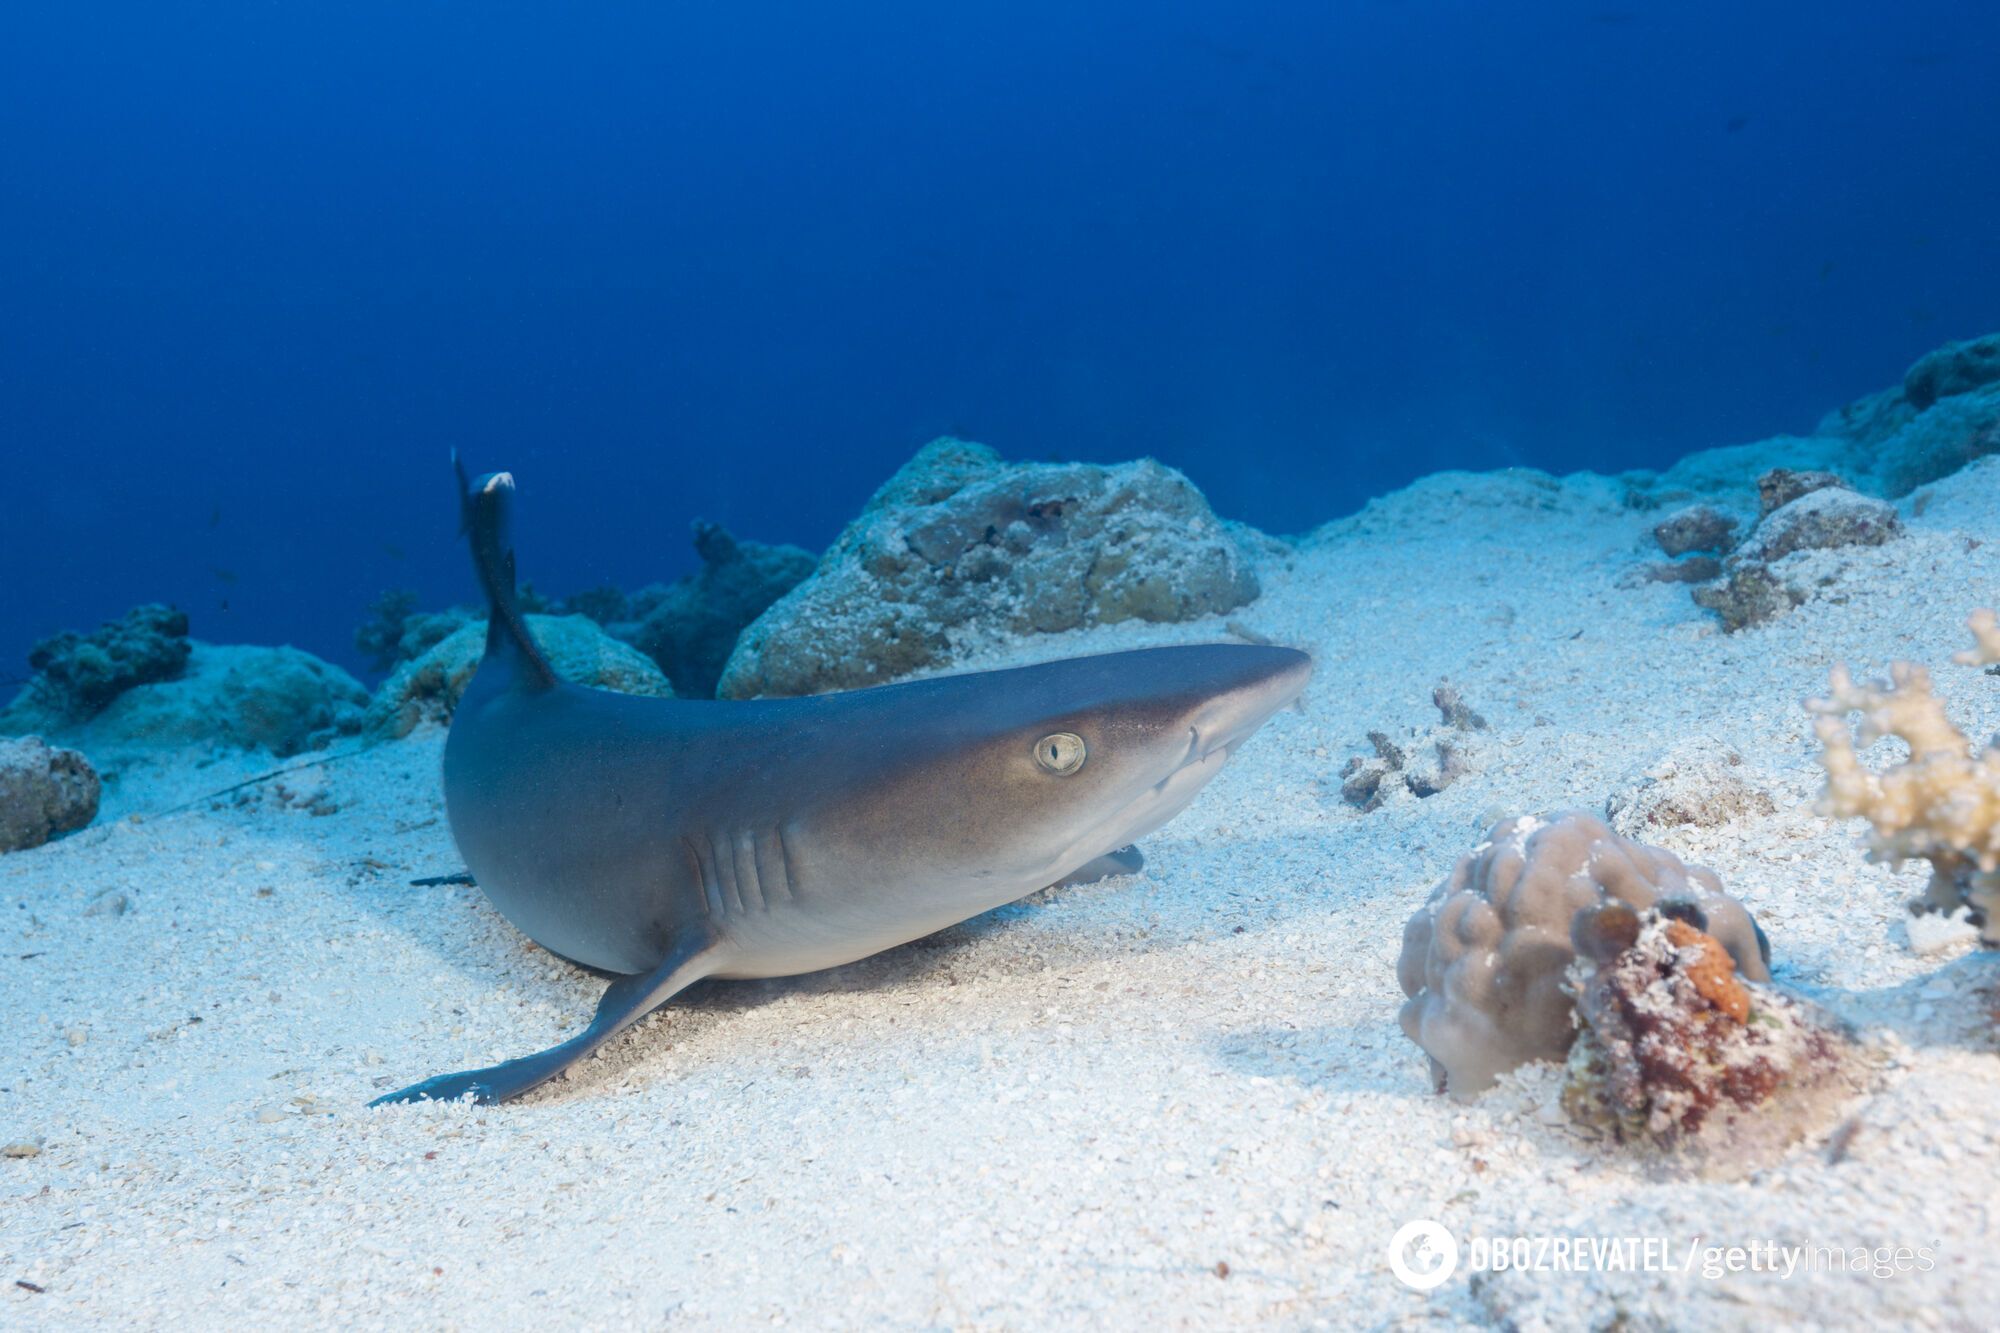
column 261, row 264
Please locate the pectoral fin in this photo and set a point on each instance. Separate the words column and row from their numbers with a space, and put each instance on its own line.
column 1124, row 861
column 629, row 999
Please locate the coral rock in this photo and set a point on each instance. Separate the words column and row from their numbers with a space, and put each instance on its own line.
column 1749, row 595
column 1751, row 592
column 1695, row 528
column 79, row 674
column 1781, row 485
column 692, row 626
column 1939, row 442
column 1709, row 970
column 1673, row 1041
column 1953, row 369
column 277, row 699
column 1945, row 414
column 1483, row 961
column 44, row 792
column 396, row 632
column 1694, row 569
column 429, row 688
column 960, row 547
column 1821, row 520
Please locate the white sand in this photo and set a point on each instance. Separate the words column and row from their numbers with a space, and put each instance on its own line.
column 1069, row 1113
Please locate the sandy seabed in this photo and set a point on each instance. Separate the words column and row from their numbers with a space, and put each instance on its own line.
column 1173, row 1099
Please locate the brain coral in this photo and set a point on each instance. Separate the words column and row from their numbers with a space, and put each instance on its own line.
column 1483, row 960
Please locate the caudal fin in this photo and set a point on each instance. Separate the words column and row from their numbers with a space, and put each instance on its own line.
column 483, row 513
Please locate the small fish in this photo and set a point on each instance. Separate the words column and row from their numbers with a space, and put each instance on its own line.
column 222, row 575
column 1736, row 124
column 393, row 551
column 215, row 517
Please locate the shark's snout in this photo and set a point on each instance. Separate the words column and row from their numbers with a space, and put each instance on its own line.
column 1260, row 682
column 1219, row 695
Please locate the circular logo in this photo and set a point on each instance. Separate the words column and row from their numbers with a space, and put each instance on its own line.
column 1423, row 1255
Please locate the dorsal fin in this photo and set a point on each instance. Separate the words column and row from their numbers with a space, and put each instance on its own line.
column 483, row 506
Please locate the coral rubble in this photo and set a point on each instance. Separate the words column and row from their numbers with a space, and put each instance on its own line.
column 44, row 792
column 960, row 545
column 1671, row 1041
column 1694, row 569
column 1941, row 804
column 1424, row 764
column 1483, row 961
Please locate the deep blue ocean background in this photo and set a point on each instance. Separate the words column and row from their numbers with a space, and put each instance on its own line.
column 261, row 265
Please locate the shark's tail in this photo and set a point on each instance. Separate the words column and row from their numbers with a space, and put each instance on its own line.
column 483, row 514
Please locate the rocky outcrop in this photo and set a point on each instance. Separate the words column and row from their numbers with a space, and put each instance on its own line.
column 1694, row 528
column 959, row 546
column 691, row 626
column 44, row 792
column 140, row 682
column 396, row 632
column 1945, row 415
column 247, row 696
column 1782, row 485
column 429, row 688
column 1752, row 590
column 1953, row 369
column 77, row 675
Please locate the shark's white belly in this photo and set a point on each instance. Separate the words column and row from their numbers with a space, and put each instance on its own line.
column 785, row 939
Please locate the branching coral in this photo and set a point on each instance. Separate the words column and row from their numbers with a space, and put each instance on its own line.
column 1671, row 1037
column 1942, row 804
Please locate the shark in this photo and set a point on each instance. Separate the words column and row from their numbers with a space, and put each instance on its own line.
column 665, row 841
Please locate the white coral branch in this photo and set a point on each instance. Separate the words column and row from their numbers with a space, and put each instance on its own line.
column 1942, row 804
column 1985, row 638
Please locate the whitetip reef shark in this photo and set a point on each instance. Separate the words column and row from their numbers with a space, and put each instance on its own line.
column 668, row 840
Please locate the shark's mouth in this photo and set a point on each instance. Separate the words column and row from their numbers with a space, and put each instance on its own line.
column 1213, row 736
column 1152, row 808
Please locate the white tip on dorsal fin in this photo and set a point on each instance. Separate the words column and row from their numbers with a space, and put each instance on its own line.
column 498, row 481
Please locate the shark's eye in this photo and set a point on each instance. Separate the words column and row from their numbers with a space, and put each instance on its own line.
column 1060, row 752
